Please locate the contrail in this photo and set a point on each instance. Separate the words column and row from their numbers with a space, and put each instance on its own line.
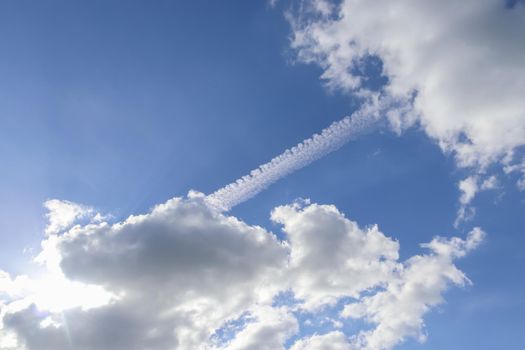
column 295, row 158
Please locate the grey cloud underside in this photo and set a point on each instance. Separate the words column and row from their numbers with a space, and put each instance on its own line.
column 180, row 273
column 145, row 249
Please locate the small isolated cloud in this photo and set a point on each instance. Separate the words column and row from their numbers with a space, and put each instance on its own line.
column 469, row 188
column 456, row 68
column 185, row 276
column 272, row 3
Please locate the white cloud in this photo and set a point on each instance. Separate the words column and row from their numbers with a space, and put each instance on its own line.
column 489, row 183
column 398, row 311
column 272, row 3
column 331, row 341
column 331, row 256
column 469, row 188
column 178, row 275
column 459, row 64
column 62, row 214
column 270, row 330
column 518, row 167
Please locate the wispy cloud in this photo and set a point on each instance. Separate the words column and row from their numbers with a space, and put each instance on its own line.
column 299, row 156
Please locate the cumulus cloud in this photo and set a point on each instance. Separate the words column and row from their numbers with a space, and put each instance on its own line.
column 458, row 65
column 332, row 256
column 398, row 310
column 176, row 273
column 186, row 276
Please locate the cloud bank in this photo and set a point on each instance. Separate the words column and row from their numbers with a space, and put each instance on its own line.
column 186, row 276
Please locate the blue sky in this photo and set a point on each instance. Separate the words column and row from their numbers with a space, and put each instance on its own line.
column 122, row 105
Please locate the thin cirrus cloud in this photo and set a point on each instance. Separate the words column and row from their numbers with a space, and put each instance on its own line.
column 458, row 65
column 367, row 118
column 183, row 275
column 297, row 157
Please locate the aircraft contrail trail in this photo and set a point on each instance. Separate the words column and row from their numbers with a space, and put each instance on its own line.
column 295, row 158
